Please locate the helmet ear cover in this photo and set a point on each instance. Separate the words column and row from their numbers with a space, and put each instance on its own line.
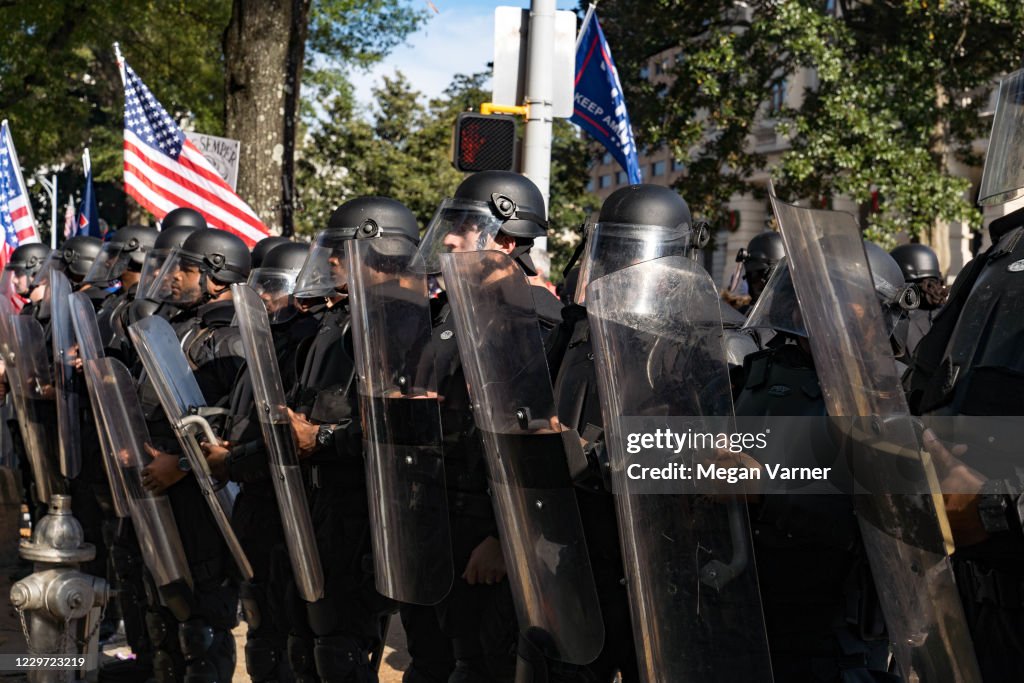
column 506, row 208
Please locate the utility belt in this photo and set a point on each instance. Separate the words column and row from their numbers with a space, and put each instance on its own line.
column 989, row 586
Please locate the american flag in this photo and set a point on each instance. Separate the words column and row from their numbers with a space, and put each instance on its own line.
column 164, row 171
column 16, row 219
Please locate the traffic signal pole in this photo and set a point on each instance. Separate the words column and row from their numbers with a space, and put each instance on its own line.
column 539, row 96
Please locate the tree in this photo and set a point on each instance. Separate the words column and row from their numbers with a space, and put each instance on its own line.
column 265, row 50
column 59, row 83
column 899, row 93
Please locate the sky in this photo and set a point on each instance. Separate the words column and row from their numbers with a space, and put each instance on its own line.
column 458, row 39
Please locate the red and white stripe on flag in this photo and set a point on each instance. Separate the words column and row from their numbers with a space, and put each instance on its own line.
column 164, row 171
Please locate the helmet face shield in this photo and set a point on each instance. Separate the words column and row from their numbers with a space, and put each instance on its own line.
column 180, row 281
column 109, row 265
column 152, row 267
column 42, row 276
column 614, row 246
column 325, row 272
column 459, row 225
column 276, row 287
column 777, row 308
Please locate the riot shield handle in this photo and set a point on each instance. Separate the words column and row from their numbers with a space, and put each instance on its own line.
column 200, row 422
column 717, row 573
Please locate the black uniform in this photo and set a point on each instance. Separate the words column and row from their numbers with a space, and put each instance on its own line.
column 337, row 634
column 256, row 519
column 822, row 617
column 206, row 645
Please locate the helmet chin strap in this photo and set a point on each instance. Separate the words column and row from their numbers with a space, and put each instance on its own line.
column 205, row 295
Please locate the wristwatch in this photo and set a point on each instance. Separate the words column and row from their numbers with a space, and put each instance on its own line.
column 324, row 435
column 184, row 465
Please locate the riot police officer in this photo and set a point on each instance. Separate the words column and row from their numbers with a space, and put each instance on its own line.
column 21, row 273
column 759, row 259
column 264, row 247
column 335, row 637
column 244, row 460
column 196, row 279
column 824, row 625
column 920, row 265
column 635, row 224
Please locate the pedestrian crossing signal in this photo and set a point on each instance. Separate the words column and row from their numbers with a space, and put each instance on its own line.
column 484, row 142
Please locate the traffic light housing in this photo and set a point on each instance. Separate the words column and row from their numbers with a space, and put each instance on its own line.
column 484, row 142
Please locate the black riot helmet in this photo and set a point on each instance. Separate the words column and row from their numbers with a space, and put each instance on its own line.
column 78, row 254
column 287, row 256
column 325, row 271
column 22, row 270
column 126, row 250
column 264, row 247
column 762, row 253
column 183, row 217
column 215, row 255
column 637, row 223
column 917, row 261
column 485, row 204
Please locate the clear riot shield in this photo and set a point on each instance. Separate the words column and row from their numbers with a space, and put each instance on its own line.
column 1002, row 180
column 401, row 422
column 527, row 455
column 28, row 373
column 90, row 347
column 693, row 592
column 69, row 428
column 182, row 399
column 286, row 473
column 907, row 537
column 118, row 406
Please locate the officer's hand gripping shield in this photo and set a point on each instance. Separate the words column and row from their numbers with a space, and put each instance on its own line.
column 118, row 406
column 69, row 428
column 285, row 471
column 535, row 502
column 90, row 347
column 28, row 373
column 906, row 536
column 401, row 421
column 660, row 352
column 183, row 402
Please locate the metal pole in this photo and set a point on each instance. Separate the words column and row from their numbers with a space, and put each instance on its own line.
column 539, row 96
column 53, row 213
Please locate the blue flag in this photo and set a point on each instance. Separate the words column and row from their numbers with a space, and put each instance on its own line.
column 599, row 107
column 88, row 211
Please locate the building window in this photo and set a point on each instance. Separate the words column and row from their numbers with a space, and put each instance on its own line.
column 606, row 181
column 778, row 100
column 659, row 68
column 678, row 165
column 607, row 158
column 590, row 185
column 620, row 178
column 830, row 7
column 658, row 168
column 645, row 72
column 680, row 57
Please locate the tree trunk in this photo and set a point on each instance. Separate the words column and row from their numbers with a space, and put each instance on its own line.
column 937, row 235
column 264, row 47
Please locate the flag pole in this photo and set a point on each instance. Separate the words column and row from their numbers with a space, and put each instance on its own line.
column 53, row 214
column 586, row 22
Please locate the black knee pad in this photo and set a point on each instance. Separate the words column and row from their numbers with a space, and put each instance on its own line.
column 300, row 656
column 341, row 659
column 215, row 663
column 158, row 626
column 262, row 656
column 196, row 638
column 165, row 667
